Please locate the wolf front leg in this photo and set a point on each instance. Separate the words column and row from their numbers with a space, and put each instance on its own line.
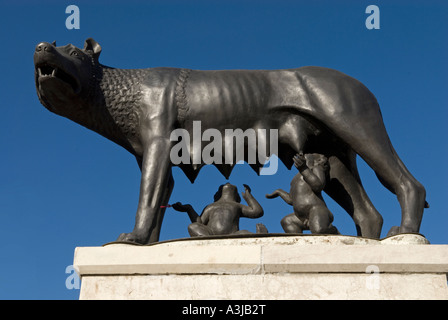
column 155, row 181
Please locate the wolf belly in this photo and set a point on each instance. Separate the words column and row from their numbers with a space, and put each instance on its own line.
column 236, row 99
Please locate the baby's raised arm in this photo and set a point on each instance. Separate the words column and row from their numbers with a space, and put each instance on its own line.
column 254, row 210
column 192, row 214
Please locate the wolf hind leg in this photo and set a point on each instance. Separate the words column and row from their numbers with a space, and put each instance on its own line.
column 380, row 155
column 346, row 189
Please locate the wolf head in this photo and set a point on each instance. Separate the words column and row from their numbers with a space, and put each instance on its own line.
column 64, row 75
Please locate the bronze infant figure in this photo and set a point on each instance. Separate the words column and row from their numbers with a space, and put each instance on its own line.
column 310, row 210
column 223, row 215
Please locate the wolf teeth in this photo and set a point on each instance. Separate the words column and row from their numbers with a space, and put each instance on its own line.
column 47, row 73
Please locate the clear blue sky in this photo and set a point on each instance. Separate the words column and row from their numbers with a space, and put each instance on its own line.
column 62, row 186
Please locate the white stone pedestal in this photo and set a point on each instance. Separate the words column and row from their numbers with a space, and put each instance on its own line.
column 266, row 267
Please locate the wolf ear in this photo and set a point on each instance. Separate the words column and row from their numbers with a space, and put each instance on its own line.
column 92, row 46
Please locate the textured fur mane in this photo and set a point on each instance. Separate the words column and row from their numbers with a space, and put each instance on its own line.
column 121, row 89
column 112, row 100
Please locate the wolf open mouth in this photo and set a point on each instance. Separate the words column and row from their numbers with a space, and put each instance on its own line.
column 48, row 71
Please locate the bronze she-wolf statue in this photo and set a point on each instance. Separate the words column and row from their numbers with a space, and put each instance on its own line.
column 314, row 109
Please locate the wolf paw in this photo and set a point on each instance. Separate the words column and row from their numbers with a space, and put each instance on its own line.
column 132, row 237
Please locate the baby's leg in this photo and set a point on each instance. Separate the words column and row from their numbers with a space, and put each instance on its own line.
column 320, row 221
column 292, row 224
column 199, row 230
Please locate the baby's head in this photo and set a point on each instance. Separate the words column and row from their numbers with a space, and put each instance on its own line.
column 316, row 159
column 229, row 190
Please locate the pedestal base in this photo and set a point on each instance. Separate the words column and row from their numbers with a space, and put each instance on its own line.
column 267, row 267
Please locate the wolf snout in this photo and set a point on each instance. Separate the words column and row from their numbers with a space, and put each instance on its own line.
column 44, row 47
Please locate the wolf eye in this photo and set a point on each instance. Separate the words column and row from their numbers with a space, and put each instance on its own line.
column 74, row 53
